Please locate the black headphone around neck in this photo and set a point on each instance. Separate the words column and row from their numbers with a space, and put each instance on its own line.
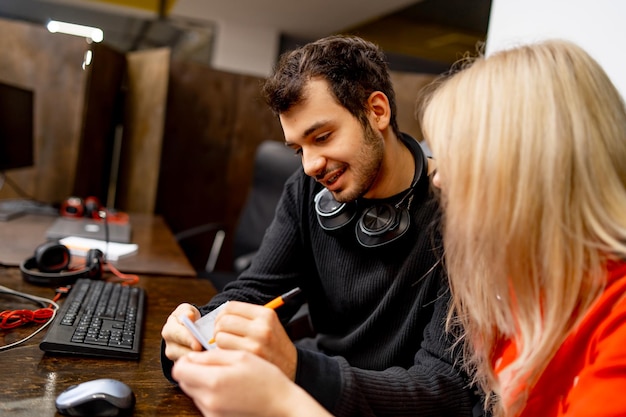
column 380, row 223
column 49, row 265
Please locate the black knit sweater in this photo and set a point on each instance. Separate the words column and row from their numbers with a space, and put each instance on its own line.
column 379, row 312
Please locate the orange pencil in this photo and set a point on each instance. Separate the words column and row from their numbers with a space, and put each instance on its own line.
column 277, row 302
column 280, row 300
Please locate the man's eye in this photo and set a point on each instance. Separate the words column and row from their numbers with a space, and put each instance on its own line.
column 322, row 138
column 298, row 152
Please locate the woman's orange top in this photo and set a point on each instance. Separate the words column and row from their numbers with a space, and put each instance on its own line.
column 587, row 376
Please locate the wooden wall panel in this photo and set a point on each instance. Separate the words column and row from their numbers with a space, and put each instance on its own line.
column 193, row 186
column 49, row 65
column 196, row 145
column 215, row 121
column 144, row 116
column 254, row 123
column 407, row 87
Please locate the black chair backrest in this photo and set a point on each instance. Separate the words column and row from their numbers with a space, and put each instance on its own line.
column 273, row 164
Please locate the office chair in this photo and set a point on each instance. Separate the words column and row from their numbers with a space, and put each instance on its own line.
column 273, row 164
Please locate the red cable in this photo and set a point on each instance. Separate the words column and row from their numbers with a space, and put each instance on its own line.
column 10, row 319
column 125, row 279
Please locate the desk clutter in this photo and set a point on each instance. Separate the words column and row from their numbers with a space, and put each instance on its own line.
column 45, row 357
column 89, row 219
column 90, row 229
column 36, row 378
column 84, row 225
column 98, row 318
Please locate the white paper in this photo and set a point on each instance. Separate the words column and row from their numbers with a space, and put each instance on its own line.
column 203, row 328
column 79, row 246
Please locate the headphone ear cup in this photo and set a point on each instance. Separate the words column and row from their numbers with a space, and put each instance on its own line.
column 52, row 257
column 92, row 207
column 331, row 214
column 73, row 207
column 382, row 224
column 94, row 262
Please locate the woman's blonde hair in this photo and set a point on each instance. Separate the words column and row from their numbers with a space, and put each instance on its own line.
column 530, row 145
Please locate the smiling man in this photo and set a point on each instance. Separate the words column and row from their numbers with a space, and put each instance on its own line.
column 350, row 159
column 357, row 230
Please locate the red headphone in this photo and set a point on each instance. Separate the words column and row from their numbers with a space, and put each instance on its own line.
column 90, row 207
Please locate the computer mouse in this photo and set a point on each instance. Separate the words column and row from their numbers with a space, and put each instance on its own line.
column 99, row 397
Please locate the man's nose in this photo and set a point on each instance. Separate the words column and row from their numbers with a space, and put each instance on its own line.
column 313, row 163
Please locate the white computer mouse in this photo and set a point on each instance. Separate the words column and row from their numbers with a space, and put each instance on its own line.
column 99, row 397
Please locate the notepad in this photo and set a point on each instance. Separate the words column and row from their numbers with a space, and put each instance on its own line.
column 79, row 246
column 203, row 328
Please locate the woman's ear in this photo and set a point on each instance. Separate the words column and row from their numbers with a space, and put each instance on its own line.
column 380, row 110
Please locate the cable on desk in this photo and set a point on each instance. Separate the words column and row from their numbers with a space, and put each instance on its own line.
column 16, row 318
column 125, row 279
column 10, row 319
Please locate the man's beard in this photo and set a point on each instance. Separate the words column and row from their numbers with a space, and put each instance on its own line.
column 370, row 158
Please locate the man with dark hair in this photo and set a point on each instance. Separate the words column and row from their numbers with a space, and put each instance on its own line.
column 357, row 230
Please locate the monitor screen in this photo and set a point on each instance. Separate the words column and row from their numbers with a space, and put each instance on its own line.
column 16, row 127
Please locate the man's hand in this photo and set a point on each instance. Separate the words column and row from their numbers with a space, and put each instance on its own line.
column 178, row 339
column 229, row 383
column 256, row 329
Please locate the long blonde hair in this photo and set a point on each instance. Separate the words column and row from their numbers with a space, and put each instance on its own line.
column 531, row 151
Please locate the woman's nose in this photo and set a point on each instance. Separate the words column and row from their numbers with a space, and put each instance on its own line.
column 436, row 179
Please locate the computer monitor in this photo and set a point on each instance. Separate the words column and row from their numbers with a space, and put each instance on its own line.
column 16, row 141
column 16, row 127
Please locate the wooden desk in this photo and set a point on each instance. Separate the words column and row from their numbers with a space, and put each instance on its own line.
column 32, row 380
column 158, row 253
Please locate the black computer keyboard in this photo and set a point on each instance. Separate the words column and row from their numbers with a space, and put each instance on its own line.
column 98, row 318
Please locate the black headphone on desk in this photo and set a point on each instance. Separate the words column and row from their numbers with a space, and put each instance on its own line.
column 379, row 223
column 49, row 266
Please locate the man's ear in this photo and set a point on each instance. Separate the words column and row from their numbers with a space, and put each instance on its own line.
column 380, row 110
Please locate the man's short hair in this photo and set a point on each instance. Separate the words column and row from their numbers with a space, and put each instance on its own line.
column 353, row 67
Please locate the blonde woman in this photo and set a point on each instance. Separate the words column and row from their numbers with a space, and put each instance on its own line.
column 531, row 152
